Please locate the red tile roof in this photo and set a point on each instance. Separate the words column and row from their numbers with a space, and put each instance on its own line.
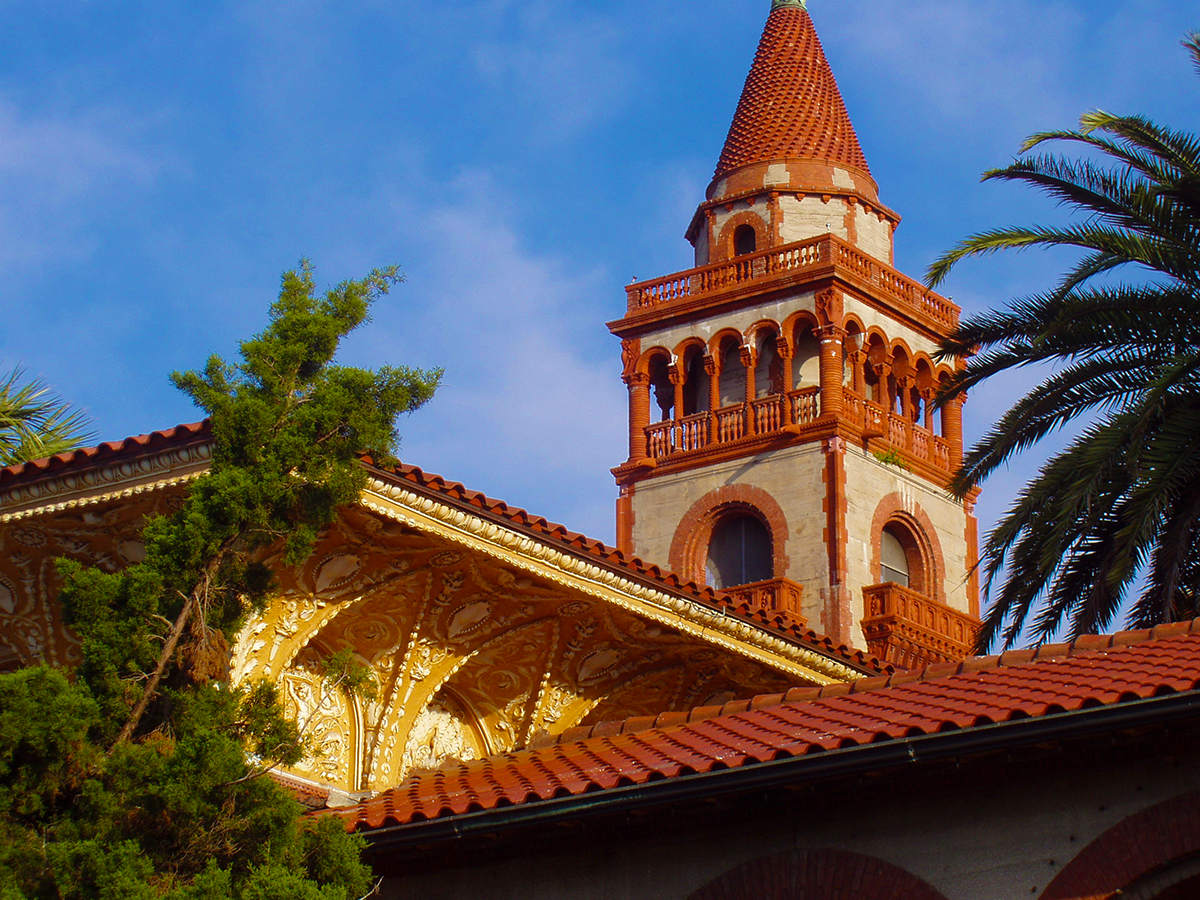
column 196, row 432
column 779, row 624
column 791, row 107
column 1023, row 684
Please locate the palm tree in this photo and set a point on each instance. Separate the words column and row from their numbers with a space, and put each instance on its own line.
column 1117, row 513
column 34, row 422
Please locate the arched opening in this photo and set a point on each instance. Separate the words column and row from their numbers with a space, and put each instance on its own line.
column 696, row 389
column 768, row 372
column 806, row 363
column 876, row 364
column 660, row 383
column 745, row 240
column 903, row 557
column 893, row 559
column 733, row 374
column 740, row 552
column 850, row 346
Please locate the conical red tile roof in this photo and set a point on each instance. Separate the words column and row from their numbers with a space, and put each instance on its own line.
column 791, row 107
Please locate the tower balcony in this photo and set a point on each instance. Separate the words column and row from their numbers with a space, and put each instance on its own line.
column 746, row 428
column 910, row 630
column 785, row 266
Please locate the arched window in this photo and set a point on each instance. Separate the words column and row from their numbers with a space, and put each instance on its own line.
column 745, row 240
column 740, row 552
column 696, row 391
column 893, row 558
column 733, row 374
column 664, row 391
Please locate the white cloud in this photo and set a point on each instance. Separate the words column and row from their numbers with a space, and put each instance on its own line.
column 532, row 408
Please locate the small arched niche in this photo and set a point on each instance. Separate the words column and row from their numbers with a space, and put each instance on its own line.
column 745, row 240
column 740, row 552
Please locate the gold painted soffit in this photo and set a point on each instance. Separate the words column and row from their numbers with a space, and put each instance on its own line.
column 705, row 624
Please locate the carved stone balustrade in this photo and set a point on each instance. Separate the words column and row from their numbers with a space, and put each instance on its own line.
column 910, row 630
column 776, row 595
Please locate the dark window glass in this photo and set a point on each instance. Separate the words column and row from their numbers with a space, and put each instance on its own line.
column 893, row 559
column 740, row 553
column 744, row 240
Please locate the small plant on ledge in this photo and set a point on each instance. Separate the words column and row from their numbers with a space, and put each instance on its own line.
column 891, row 457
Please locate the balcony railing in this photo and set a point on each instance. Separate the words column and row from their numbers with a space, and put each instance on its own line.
column 900, row 433
column 776, row 595
column 910, row 630
column 778, row 263
column 769, row 415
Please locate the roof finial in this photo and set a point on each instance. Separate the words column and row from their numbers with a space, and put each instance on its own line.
column 796, row 4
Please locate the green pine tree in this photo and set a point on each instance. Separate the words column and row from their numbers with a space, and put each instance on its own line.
column 142, row 777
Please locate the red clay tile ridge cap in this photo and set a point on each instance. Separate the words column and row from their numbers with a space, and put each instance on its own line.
column 791, row 107
column 779, row 624
column 1086, row 645
column 108, row 452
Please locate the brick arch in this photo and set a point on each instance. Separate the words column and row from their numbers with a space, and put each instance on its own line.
column 817, row 875
column 689, row 547
column 762, row 234
column 644, row 361
column 1129, row 850
column 895, row 508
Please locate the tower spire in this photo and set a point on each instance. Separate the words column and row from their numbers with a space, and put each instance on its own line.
column 791, row 108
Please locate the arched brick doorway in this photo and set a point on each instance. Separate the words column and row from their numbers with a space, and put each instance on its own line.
column 817, row 875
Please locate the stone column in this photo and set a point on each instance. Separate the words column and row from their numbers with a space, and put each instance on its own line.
column 832, row 338
column 677, row 375
column 784, row 348
column 712, row 366
column 639, row 414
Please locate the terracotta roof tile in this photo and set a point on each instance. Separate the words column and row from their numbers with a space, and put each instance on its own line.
column 1062, row 678
column 196, row 432
column 791, row 107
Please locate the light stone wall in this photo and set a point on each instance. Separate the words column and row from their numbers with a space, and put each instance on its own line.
column 760, row 207
column 811, row 217
column 874, row 235
column 792, row 476
column 1000, row 839
column 868, row 481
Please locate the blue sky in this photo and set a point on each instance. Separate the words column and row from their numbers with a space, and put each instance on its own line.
column 162, row 163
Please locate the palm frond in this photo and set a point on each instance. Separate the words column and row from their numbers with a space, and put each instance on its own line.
column 35, row 422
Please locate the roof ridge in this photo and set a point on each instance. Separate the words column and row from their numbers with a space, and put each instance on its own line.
column 103, row 451
column 1081, row 646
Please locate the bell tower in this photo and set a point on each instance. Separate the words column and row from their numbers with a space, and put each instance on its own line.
column 783, row 442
